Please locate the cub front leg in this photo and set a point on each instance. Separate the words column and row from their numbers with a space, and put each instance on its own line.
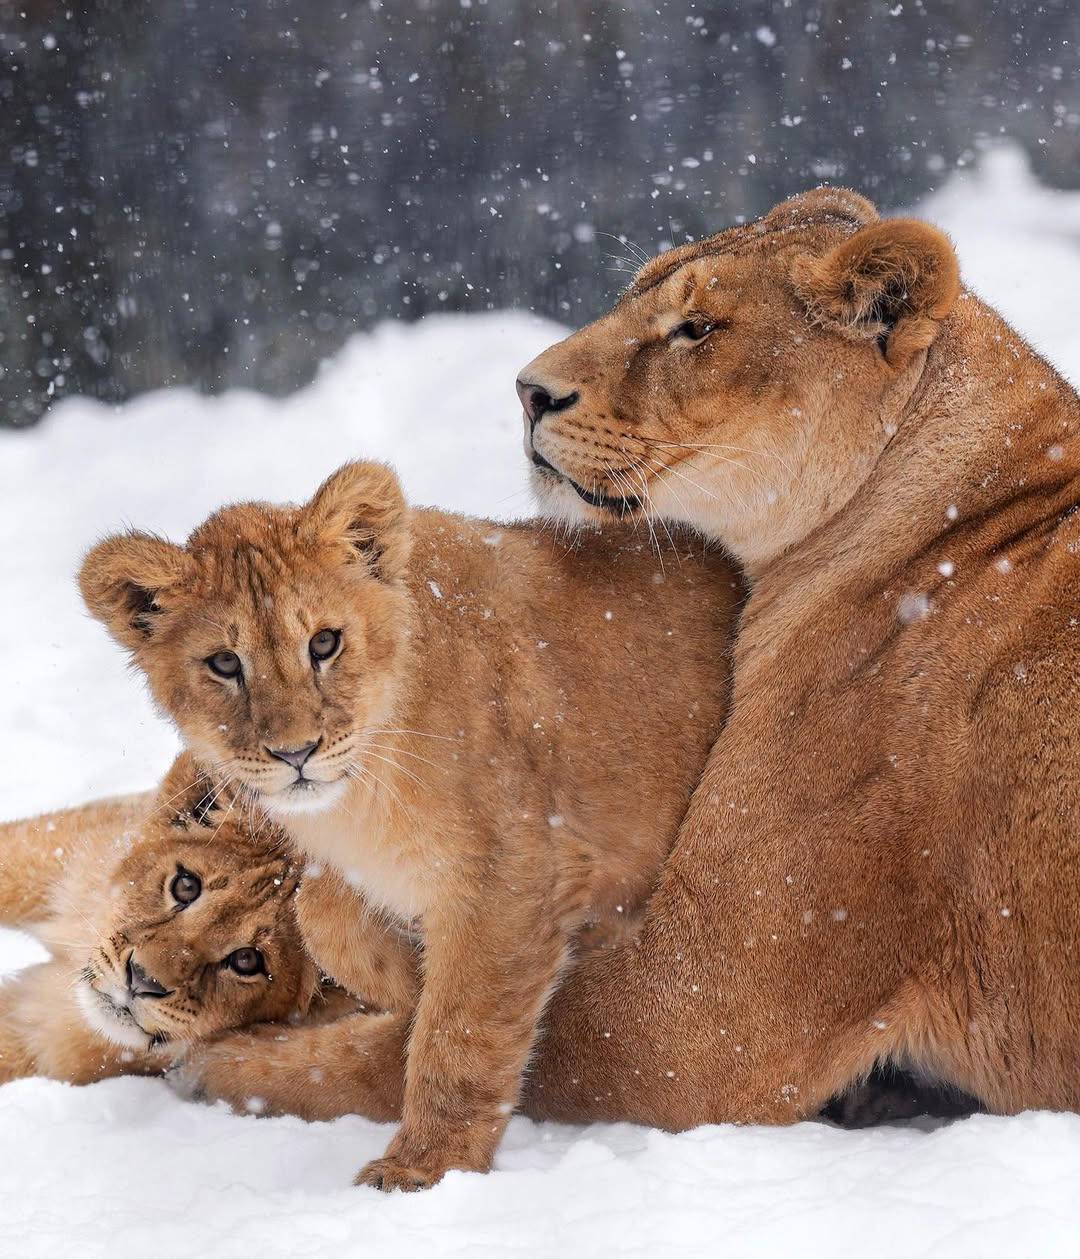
column 355, row 1065
column 16, row 1056
column 487, row 976
column 360, row 948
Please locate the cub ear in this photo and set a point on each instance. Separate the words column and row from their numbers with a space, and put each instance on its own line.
column 121, row 579
column 892, row 282
column 362, row 505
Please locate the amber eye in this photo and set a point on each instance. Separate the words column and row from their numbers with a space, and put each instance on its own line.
column 246, row 962
column 691, row 330
column 226, row 664
column 185, row 887
column 324, row 644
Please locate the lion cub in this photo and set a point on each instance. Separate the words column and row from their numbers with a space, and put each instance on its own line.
column 159, row 936
column 490, row 731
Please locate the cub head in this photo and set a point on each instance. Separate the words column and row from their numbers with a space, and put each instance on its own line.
column 196, row 932
column 273, row 638
column 743, row 384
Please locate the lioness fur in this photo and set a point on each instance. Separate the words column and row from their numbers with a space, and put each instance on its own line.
column 498, row 733
column 881, row 860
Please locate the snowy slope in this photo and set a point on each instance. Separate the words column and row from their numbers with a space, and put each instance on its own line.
column 123, row 1169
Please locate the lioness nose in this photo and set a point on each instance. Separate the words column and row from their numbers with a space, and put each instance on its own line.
column 296, row 757
column 140, row 984
column 537, row 401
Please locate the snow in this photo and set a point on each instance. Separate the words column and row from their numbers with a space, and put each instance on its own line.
column 124, row 1169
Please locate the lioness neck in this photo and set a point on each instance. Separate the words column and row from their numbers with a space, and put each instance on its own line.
column 980, row 464
column 967, row 445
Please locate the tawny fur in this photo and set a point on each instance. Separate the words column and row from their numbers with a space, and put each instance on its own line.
column 92, row 885
column 508, row 736
column 880, row 860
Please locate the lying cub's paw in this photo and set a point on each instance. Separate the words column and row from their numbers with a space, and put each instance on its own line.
column 390, row 1173
column 185, row 1080
column 212, row 1074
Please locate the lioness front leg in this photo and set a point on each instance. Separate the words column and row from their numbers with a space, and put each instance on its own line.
column 486, row 978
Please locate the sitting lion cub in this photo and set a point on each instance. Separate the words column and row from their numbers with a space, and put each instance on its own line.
column 159, row 936
column 489, row 731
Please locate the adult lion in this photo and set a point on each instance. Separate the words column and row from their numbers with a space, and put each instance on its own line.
column 881, row 860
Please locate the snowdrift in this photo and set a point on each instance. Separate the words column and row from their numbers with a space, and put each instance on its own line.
column 123, row 1169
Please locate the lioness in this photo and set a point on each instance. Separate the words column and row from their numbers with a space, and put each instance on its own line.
column 880, row 861
column 489, row 732
column 168, row 921
column 893, row 808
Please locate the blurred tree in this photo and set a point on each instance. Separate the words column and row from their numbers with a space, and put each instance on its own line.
column 218, row 193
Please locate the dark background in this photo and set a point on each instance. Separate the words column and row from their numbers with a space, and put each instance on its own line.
column 218, row 193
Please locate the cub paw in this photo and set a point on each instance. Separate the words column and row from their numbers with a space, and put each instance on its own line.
column 185, row 1080
column 391, row 1173
column 210, row 1075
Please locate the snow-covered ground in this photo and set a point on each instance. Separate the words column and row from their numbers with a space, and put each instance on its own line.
column 124, row 1169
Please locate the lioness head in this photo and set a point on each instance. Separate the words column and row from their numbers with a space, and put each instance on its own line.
column 272, row 638
column 743, row 381
column 197, row 932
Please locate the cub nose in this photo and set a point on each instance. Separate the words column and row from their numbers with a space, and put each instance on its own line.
column 140, row 983
column 538, row 401
column 296, row 757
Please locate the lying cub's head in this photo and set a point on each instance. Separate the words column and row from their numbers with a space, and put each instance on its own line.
column 196, row 932
column 273, row 637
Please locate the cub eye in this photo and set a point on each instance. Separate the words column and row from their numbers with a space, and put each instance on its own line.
column 246, row 962
column 692, row 330
column 226, row 664
column 185, row 887
column 324, row 644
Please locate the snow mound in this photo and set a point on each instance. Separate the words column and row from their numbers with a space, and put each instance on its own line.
column 124, row 1169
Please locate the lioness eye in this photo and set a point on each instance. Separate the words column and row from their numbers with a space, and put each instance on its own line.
column 691, row 330
column 324, row 644
column 246, row 961
column 185, row 887
column 226, row 664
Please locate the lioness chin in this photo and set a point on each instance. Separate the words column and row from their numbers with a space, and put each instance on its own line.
column 488, row 732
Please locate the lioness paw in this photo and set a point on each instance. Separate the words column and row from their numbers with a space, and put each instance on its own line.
column 391, row 1173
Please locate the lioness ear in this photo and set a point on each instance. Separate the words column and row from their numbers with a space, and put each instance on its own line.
column 823, row 204
column 362, row 505
column 121, row 579
column 892, row 282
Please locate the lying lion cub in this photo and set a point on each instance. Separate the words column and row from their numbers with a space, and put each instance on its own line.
column 491, row 732
column 159, row 936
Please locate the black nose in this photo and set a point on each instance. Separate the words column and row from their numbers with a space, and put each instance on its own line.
column 538, row 402
column 140, row 984
column 296, row 757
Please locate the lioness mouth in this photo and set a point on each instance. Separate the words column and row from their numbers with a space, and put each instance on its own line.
column 621, row 506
